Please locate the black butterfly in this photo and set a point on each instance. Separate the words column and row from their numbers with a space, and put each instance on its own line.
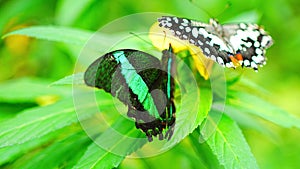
column 229, row 45
column 133, row 77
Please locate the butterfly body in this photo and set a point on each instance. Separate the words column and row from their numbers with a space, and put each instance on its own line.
column 229, row 45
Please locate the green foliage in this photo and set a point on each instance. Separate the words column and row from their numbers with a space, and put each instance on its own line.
column 62, row 34
column 261, row 108
column 40, row 126
column 229, row 145
column 97, row 157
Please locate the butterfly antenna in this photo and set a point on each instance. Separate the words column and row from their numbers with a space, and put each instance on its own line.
column 134, row 34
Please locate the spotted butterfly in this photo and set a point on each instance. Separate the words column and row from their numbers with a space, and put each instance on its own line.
column 229, row 45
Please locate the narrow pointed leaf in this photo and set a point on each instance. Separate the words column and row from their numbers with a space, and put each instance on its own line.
column 55, row 33
column 76, row 79
column 16, row 91
column 187, row 121
column 257, row 106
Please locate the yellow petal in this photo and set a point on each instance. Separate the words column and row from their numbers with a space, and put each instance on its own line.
column 202, row 63
column 161, row 38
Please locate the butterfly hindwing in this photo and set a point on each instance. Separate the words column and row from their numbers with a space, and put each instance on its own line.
column 250, row 41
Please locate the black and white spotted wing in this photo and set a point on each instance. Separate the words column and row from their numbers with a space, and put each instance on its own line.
column 229, row 45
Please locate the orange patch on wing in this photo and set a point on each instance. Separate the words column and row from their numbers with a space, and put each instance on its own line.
column 235, row 61
column 239, row 56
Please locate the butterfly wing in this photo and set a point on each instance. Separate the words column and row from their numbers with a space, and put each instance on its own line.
column 131, row 76
column 250, row 41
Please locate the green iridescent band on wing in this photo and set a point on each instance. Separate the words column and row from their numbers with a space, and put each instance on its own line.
column 136, row 84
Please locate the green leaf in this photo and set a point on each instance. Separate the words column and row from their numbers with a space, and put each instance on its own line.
column 30, row 90
column 55, row 33
column 61, row 154
column 10, row 110
column 188, row 114
column 246, row 120
column 110, row 148
column 76, row 79
column 250, row 85
column 185, row 117
column 204, row 152
column 229, row 145
column 95, row 157
column 10, row 153
column 37, row 122
column 255, row 105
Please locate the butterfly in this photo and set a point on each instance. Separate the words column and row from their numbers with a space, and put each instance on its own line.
column 143, row 83
column 229, row 45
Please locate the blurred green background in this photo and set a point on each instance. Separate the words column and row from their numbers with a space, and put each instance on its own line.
column 21, row 56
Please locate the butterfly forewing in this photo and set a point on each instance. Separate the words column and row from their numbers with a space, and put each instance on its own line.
column 198, row 34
